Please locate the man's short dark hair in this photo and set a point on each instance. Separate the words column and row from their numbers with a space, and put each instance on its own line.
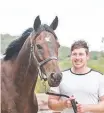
column 80, row 44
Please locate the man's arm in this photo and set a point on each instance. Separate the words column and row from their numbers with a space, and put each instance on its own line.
column 96, row 108
column 99, row 108
column 56, row 104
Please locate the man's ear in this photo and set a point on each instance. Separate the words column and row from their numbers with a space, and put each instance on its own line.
column 88, row 56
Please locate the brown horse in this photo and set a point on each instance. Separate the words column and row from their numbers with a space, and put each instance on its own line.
column 35, row 52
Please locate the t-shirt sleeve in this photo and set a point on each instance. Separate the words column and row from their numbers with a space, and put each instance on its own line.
column 101, row 86
column 55, row 89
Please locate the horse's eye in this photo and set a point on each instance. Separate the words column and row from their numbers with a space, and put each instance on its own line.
column 39, row 46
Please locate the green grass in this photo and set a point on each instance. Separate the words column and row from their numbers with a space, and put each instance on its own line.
column 65, row 64
column 97, row 64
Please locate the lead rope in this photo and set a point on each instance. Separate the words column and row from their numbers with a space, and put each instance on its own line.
column 73, row 101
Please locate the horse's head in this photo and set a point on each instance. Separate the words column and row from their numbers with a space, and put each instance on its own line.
column 44, row 47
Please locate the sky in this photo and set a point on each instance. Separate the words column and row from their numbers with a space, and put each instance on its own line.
column 78, row 19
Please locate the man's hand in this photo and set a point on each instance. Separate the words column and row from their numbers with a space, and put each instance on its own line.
column 82, row 108
column 67, row 103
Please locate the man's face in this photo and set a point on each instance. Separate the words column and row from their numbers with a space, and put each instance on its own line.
column 79, row 57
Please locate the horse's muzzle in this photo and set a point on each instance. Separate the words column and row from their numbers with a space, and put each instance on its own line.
column 55, row 79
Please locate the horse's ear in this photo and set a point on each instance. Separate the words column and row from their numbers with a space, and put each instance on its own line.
column 37, row 23
column 54, row 24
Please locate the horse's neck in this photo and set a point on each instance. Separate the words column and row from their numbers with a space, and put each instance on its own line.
column 25, row 58
column 24, row 54
column 27, row 76
column 20, row 80
column 26, row 70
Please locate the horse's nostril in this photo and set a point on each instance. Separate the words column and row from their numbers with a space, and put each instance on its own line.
column 56, row 76
column 52, row 75
column 55, row 79
column 59, row 77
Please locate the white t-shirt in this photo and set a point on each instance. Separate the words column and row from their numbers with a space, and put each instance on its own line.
column 86, row 88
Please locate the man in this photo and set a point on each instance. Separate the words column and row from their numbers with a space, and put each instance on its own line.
column 84, row 83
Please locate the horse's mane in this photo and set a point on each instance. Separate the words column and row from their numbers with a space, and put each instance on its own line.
column 15, row 46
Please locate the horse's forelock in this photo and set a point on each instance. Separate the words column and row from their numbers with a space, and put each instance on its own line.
column 44, row 27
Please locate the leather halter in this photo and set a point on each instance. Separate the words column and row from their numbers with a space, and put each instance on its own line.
column 40, row 64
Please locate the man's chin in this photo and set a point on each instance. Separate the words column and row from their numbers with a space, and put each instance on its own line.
column 78, row 66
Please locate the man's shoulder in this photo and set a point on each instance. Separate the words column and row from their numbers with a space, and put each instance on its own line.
column 96, row 72
column 91, row 72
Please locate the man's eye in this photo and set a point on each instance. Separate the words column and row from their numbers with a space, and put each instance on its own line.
column 74, row 54
column 81, row 54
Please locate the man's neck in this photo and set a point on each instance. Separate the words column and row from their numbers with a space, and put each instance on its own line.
column 80, row 70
